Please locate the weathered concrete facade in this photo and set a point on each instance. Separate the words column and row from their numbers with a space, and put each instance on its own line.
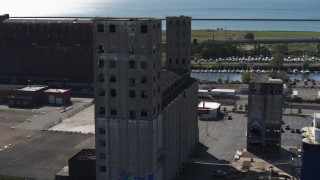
column 43, row 50
column 178, row 33
column 146, row 118
column 265, row 113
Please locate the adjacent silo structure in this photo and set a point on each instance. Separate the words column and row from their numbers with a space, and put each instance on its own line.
column 264, row 113
column 310, row 169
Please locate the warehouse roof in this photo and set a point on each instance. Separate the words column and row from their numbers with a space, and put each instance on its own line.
column 209, row 105
column 263, row 78
column 33, row 88
column 56, row 90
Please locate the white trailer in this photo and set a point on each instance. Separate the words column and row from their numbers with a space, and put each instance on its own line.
column 223, row 93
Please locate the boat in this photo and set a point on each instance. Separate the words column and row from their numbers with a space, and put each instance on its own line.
column 307, row 71
column 295, row 71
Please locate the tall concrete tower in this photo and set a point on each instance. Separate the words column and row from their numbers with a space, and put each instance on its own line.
column 265, row 113
column 127, row 65
column 178, row 34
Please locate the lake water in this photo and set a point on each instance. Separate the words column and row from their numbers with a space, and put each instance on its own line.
column 237, row 76
column 217, row 9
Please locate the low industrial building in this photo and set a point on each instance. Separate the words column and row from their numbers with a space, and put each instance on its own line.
column 27, row 96
column 33, row 95
column 56, row 96
column 82, row 166
column 208, row 110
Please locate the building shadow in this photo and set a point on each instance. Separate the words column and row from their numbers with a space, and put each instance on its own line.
column 202, row 165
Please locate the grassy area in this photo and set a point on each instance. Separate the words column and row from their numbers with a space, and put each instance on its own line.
column 221, row 35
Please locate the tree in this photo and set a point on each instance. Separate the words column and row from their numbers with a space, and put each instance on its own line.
column 299, row 111
column 282, row 49
column 246, row 77
column 249, row 35
column 305, row 65
column 240, row 107
column 277, row 61
column 234, row 108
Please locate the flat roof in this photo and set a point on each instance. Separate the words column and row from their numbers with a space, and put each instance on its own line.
column 32, row 88
column 125, row 19
column 168, row 78
column 316, row 115
column 57, row 90
column 11, row 87
column 85, row 154
column 210, row 105
column 55, row 20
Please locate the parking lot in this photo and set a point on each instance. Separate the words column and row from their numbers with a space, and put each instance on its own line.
column 220, row 139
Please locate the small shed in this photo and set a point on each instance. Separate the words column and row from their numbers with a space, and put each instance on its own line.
column 27, row 96
column 56, row 96
column 208, row 110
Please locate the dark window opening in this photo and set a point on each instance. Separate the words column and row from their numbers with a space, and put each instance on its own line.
column 177, row 22
column 101, row 77
column 100, row 49
column 103, row 169
column 113, row 92
column 132, row 64
column 132, row 93
column 144, row 29
column 144, row 64
column 154, row 92
column 184, row 22
column 132, row 114
column 103, row 156
column 113, row 64
column 170, row 61
column 102, row 110
column 102, row 93
column 131, row 50
column 102, row 131
column 144, row 80
column 144, row 94
column 100, row 63
column 113, row 78
column 113, row 111
column 183, row 61
column 102, row 143
column 112, row 28
column 144, row 113
column 154, row 78
column 177, row 61
column 132, row 82
column 100, row 28
column 154, row 49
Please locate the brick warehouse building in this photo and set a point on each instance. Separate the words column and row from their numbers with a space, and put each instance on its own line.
column 44, row 51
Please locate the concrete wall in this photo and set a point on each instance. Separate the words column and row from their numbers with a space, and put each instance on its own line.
column 126, row 51
column 180, row 130
column 265, row 112
column 178, row 36
column 46, row 50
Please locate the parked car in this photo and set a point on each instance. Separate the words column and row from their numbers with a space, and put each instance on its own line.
column 219, row 173
column 298, row 131
column 229, row 117
column 292, row 131
column 287, row 127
